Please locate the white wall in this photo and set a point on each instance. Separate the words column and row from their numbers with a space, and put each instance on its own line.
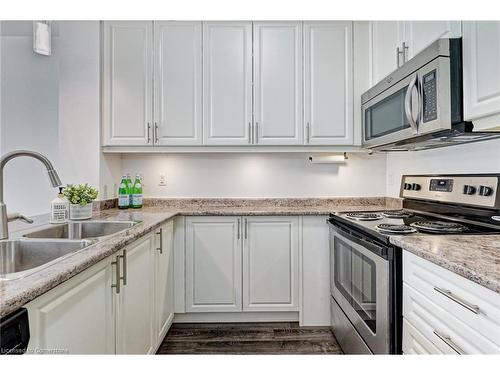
column 257, row 175
column 49, row 104
column 480, row 157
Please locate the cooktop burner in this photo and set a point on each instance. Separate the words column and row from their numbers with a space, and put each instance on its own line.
column 395, row 229
column 397, row 214
column 363, row 216
column 439, row 227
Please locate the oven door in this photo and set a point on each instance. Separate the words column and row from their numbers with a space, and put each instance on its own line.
column 359, row 283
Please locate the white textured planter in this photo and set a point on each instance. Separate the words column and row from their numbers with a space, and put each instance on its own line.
column 77, row 212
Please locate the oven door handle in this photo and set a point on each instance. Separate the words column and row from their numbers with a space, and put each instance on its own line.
column 408, row 104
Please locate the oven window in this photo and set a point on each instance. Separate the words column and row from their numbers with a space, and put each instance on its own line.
column 386, row 116
column 355, row 278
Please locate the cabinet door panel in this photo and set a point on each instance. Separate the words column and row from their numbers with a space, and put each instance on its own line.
column 270, row 264
column 420, row 34
column 76, row 317
column 127, row 82
column 178, row 83
column 136, row 300
column 481, row 51
column 278, row 83
column 328, row 98
column 386, row 37
column 213, row 264
column 227, row 67
column 164, row 286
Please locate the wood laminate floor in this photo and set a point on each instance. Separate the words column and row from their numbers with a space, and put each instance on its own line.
column 248, row 338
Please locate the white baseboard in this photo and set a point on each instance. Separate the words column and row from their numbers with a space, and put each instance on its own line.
column 240, row 317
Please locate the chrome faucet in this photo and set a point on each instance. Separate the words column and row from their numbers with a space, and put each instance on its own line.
column 54, row 180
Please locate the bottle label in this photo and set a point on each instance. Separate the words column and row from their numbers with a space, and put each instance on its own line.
column 123, row 200
column 137, row 200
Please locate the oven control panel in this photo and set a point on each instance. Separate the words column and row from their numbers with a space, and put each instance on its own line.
column 471, row 190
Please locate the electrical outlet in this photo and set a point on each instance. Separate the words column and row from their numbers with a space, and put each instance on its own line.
column 163, row 180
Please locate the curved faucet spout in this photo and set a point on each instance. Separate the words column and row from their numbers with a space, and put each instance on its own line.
column 53, row 177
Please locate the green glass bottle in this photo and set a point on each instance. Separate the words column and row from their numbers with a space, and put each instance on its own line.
column 137, row 192
column 130, row 188
column 123, row 194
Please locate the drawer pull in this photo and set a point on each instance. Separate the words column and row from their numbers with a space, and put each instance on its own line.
column 460, row 301
column 448, row 341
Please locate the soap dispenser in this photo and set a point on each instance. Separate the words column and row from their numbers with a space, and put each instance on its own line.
column 59, row 208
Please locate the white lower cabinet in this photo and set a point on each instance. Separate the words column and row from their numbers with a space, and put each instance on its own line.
column 270, row 263
column 123, row 304
column 135, row 301
column 415, row 342
column 76, row 317
column 456, row 315
column 236, row 264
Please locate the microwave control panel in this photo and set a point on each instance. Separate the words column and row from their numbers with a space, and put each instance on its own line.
column 429, row 89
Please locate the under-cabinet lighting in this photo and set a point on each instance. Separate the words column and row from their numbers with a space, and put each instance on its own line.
column 328, row 158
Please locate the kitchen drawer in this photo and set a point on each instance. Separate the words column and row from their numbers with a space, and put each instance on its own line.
column 434, row 282
column 448, row 333
column 416, row 343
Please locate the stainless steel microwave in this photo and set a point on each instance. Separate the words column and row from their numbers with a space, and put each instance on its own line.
column 420, row 105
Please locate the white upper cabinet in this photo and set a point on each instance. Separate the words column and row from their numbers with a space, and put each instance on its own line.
column 386, row 38
column 420, row 34
column 481, row 53
column 227, row 83
column 278, row 83
column 127, row 83
column 270, row 263
column 395, row 42
column 178, row 83
column 213, row 264
column 328, row 83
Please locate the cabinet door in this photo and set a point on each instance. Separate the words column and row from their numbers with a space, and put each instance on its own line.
column 481, row 52
column 77, row 317
column 385, row 39
column 420, row 34
column 227, row 83
column 134, row 318
column 178, row 83
column 127, row 83
column 213, row 264
column 270, row 263
column 164, row 280
column 278, row 83
column 328, row 81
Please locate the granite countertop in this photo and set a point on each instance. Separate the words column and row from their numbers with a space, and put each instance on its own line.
column 475, row 257
column 17, row 292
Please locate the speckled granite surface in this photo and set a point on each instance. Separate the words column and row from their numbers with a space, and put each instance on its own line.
column 475, row 257
column 16, row 293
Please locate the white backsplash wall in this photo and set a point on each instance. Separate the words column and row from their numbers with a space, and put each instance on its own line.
column 480, row 157
column 257, row 175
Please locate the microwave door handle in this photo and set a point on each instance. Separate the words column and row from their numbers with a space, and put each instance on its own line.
column 408, row 104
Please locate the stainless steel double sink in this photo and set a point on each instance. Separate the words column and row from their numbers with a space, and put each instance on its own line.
column 39, row 248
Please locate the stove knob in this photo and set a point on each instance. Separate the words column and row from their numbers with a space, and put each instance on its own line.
column 407, row 186
column 415, row 186
column 469, row 190
column 485, row 190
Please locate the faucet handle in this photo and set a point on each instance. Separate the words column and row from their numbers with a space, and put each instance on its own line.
column 18, row 216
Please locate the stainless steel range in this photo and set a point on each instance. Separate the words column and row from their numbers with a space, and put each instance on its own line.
column 365, row 268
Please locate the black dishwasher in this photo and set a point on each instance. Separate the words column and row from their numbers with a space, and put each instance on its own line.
column 14, row 332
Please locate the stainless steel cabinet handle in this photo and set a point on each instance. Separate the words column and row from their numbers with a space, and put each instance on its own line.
column 256, row 139
column 124, row 258
column 460, row 301
column 308, row 132
column 250, row 137
column 399, row 52
column 246, row 228
column 116, row 263
column 156, row 133
column 448, row 341
column 408, row 105
column 160, row 233
column 405, row 52
column 239, row 223
column 149, row 132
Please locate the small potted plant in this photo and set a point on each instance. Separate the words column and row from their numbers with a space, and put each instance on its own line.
column 80, row 199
